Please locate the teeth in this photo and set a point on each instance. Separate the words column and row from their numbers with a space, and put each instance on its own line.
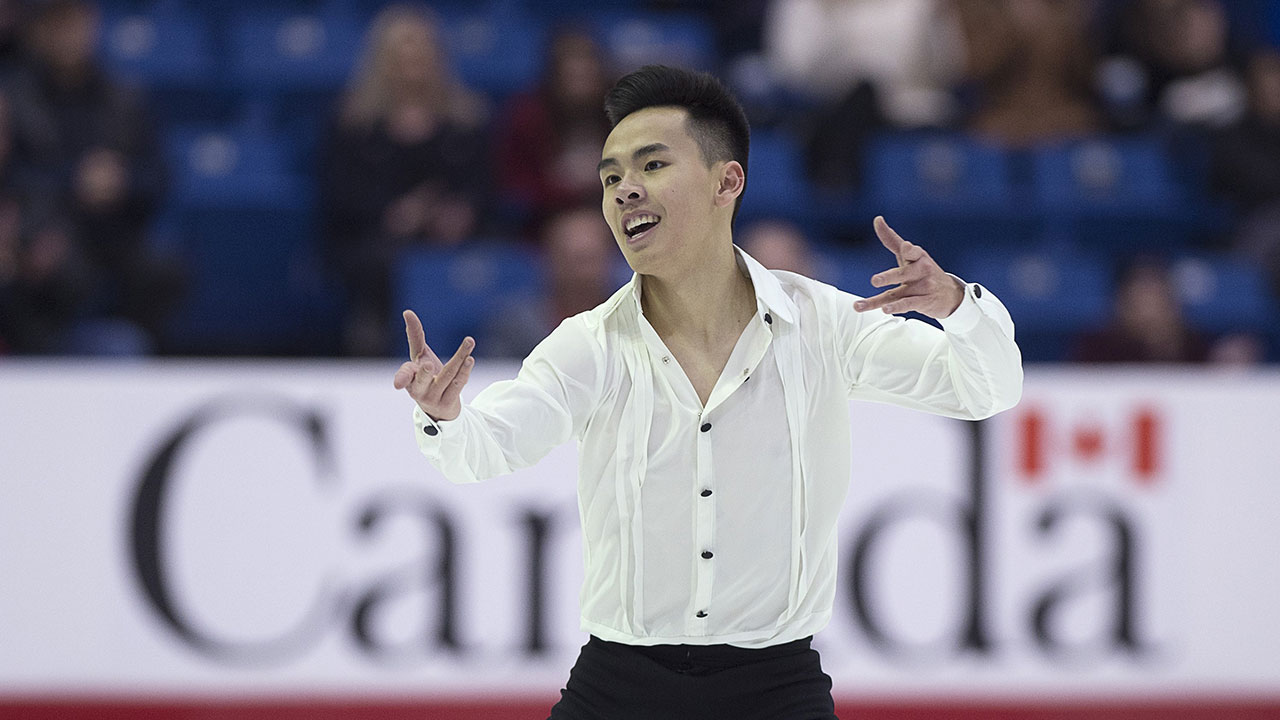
column 639, row 220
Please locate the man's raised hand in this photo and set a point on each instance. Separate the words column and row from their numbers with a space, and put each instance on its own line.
column 435, row 386
column 921, row 285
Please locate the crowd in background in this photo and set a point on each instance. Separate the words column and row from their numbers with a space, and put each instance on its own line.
column 409, row 156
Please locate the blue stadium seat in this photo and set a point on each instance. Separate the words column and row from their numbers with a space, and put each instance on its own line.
column 498, row 51
column 1115, row 192
column 776, row 183
column 943, row 191
column 1052, row 293
column 246, row 228
column 160, row 49
column 851, row 269
column 255, row 282
column 457, row 291
column 634, row 38
column 275, row 49
column 219, row 167
column 1224, row 293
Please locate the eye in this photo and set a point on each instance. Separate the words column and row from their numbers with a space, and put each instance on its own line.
column 654, row 165
column 610, row 179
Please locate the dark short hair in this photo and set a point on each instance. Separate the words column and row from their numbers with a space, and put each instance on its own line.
column 717, row 121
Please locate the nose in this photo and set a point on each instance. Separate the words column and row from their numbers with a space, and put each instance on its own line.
column 627, row 191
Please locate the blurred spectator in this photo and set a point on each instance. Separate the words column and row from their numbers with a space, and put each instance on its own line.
column 549, row 140
column 1031, row 64
column 33, row 296
column 12, row 18
column 1238, row 350
column 44, row 284
column 84, row 149
column 1177, row 54
column 740, row 27
column 779, row 245
column 580, row 258
column 405, row 163
column 10, row 238
column 905, row 49
column 864, row 65
column 1246, row 166
column 1147, row 323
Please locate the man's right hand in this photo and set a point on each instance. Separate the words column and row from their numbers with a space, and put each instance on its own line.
column 435, row 386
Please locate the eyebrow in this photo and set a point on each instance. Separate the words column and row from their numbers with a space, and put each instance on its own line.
column 649, row 149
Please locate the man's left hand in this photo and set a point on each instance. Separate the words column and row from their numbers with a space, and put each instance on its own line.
column 921, row 285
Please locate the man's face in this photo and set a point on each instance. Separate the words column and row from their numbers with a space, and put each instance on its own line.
column 659, row 194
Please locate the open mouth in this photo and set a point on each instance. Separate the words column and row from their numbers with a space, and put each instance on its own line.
column 641, row 224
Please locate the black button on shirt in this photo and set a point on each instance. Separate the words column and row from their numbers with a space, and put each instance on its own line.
column 707, row 555
column 706, row 493
column 768, row 318
column 706, row 427
column 701, row 614
column 430, row 430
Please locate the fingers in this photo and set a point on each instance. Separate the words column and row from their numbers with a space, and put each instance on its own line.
column 888, row 236
column 906, row 251
column 440, row 383
column 454, row 389
column 417, row 337
column 881, row 300
column 913, row 272
column 910, row 253
column 405, row 375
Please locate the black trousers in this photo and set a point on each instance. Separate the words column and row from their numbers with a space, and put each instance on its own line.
column 612, row 681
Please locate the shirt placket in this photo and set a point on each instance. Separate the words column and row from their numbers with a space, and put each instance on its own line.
column 704, row 528
column 705, row 536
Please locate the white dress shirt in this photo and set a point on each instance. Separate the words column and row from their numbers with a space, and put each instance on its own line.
column 717, row 524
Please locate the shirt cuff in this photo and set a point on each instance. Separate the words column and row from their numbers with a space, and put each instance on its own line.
column 428, row 428
column 967, row 316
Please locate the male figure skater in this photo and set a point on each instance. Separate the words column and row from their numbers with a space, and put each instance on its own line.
column 710, row 401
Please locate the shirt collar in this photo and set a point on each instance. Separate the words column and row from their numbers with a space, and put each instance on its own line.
column 769, row 293
column 770, row 297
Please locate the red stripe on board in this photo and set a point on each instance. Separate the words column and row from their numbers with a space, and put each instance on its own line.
column 933, row 709
column 1031, row 459
column 1146, row 430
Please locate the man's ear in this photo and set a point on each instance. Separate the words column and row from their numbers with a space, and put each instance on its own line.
column 732, row 181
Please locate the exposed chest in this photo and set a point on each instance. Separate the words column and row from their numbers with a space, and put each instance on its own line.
column 703, row 363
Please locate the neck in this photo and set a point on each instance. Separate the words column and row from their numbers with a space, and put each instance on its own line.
column 710, row 297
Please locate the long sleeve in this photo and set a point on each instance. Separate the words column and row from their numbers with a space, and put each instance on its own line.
column 514, row 423
column 972, row 369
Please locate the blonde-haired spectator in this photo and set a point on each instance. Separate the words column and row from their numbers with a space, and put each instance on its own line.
column 406, row 163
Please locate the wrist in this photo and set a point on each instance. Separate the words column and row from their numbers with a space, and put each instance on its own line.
column 955, row 296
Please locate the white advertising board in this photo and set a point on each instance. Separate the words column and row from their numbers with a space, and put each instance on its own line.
column 258, row 528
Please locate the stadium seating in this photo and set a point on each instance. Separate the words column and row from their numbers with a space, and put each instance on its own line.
column 456, row 292
column 635, row 38
column 1053, row 292
column 496, row 50
column 1224, row 293
column 946, row 191
column 159, row 49
column 776, row 186
column 244, row 224
column 276, row 49
column 228, row 167
column 243, row 90
column 1120, row 193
